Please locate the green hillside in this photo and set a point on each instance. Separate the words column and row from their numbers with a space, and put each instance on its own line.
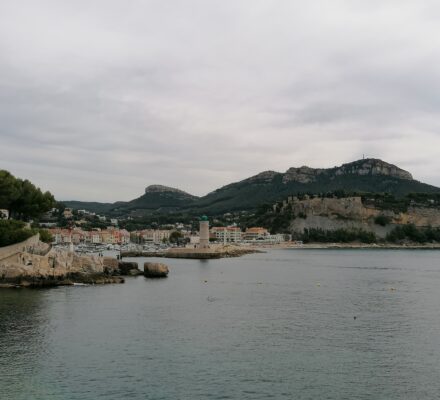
column 247, row 195
column 369, row 175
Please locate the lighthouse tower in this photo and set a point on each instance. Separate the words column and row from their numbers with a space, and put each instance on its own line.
column 204, row 233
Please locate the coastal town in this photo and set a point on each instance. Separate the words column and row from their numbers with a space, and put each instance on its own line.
column 177, row 234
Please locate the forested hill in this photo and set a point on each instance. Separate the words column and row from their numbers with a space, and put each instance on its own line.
column 369, row 175
column 156, row 198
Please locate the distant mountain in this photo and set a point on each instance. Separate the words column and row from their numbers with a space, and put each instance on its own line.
column 157, row 198
column 369, row 175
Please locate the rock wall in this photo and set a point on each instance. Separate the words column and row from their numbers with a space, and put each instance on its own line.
column 26, row 264
column 27, row 246
column 351, row 213
column 370, row 166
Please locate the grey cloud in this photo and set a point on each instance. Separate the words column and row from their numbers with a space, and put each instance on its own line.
column 111, row 96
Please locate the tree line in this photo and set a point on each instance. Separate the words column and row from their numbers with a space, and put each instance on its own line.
column 22, row 198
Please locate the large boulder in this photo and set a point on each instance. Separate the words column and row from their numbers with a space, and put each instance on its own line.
column 128, row 268
column 155, row 270
column 111, row 265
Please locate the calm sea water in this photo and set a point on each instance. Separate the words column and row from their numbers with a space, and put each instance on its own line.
column 279, row 325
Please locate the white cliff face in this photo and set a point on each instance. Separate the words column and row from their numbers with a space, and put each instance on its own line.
column 373, row 167
column 351, row 213
column 361, row 168
column 303, row 174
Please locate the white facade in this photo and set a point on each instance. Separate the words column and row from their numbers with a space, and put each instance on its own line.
column 194, row 239
column 95, row 237
column 155, row 235
column 227, row 234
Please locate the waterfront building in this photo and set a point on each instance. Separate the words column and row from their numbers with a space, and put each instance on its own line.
column 255, row 233
column 155, row 235
column 95, row 237
column 77, row 236
column 230, row 234
column 124, row 236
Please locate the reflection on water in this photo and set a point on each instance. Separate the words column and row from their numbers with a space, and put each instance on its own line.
column 287, row 324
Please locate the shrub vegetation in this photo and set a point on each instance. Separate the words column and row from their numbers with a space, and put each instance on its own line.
column 12, row 232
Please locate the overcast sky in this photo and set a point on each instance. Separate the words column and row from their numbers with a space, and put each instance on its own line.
column 99, row 99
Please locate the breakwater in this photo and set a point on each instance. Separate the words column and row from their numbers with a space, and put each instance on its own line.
column 197, row 254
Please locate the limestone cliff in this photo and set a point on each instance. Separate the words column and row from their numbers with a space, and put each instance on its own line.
column 352, row 213
column 367, row 167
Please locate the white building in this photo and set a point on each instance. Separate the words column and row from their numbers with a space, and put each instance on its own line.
column 255, row 233
column 227, row 233
column 155, row 235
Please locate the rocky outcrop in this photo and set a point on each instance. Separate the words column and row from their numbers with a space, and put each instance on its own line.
column 369, row 166
column 129, row 268
column 57, row 267
column 372, row 166
column 164, row 189
column 303, row 174
column 265, row 176
column 155, row 270
column 351, row 213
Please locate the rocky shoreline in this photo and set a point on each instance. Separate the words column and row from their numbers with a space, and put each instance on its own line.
column 33, row 264
column 68, row 280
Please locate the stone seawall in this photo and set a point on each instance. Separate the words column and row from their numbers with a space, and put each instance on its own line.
column 26, row 246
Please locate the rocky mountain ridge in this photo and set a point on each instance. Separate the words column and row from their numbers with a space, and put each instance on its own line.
column 366, row 175
column 305, row 174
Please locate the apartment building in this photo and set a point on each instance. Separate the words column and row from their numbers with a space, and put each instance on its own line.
column 229, row 234
column 255, row 233
column 155, row 235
